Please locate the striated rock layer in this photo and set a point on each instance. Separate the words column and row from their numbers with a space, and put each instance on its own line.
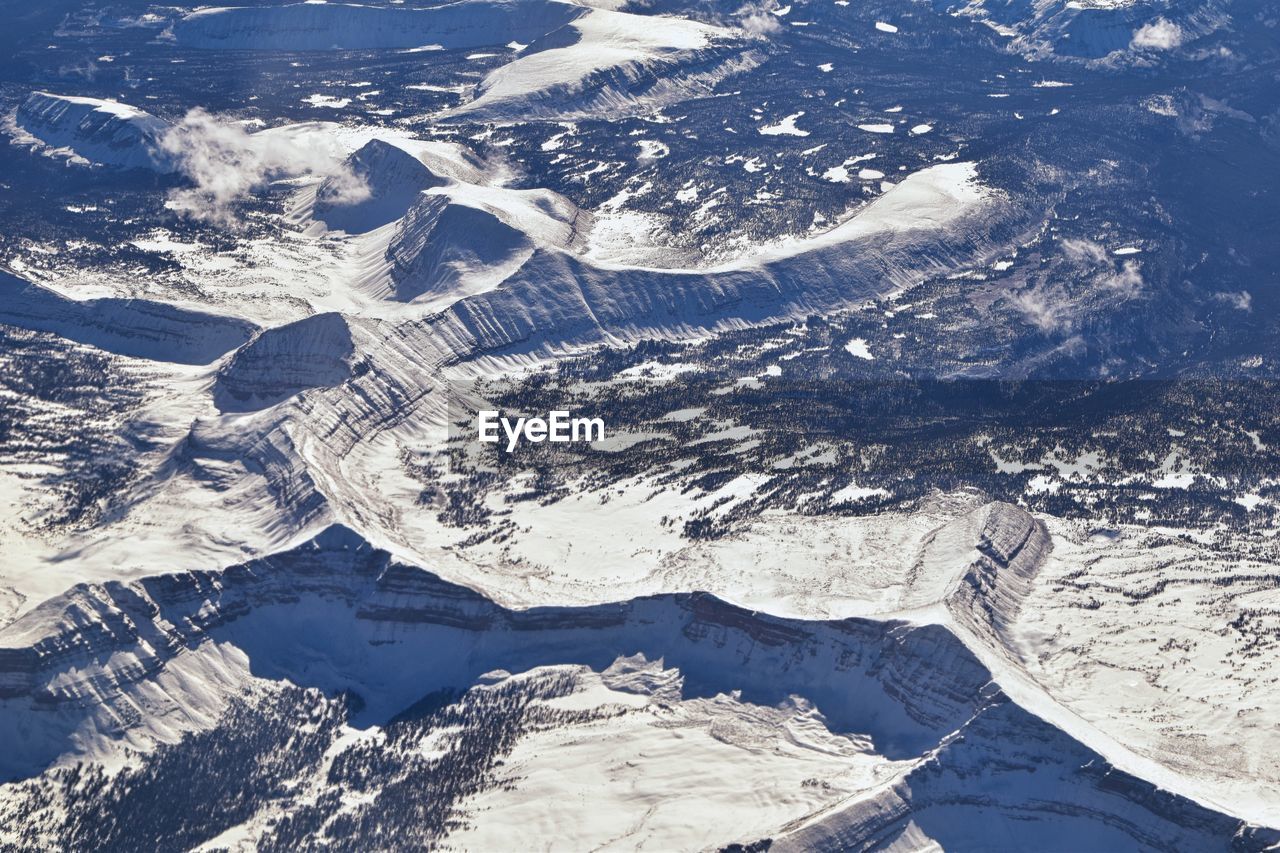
column 313, row 352
column 337, row 614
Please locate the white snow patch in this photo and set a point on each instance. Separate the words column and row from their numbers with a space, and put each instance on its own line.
column 1250, row 501
column 785, row 127
column 858, row 348
column 683, row 415
column 1175, row 474
column 1043, row 484
column 326, row 101
column 651, row 149
column 853, row 493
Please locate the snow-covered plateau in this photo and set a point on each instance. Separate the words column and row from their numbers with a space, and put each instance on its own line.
column 936, row 349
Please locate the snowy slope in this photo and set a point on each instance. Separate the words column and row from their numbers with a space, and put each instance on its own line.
column 568, row 50
column 444, row 246
column 91, row 130
column 616, row 62
column 281, row 362
column 909, row 714
column 394, row 179
column 241, row 578
column 137, row 328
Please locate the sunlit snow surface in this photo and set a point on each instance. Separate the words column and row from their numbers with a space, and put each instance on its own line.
column 252, row 256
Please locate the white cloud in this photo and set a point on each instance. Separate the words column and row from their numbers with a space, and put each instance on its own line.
column 225, row 163
column 1241, row 300
column 1158, row 35
column 86, row 70
column 1047, row 308
column 758, row 19
column 1080, row 249
column 1127, row 282
column 1052, row 309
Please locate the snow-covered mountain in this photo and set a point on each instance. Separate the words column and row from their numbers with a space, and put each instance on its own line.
column 936, row 346
column 394, row 179
column 92, row 131
column 314, row 352
column 912, row 720
column 150, row 330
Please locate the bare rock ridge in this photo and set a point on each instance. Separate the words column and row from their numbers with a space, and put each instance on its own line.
column 337, row 614
column 313, row 352
column 1011, row 546
column 1007, row 780
column 393, row 178
column 155, row 619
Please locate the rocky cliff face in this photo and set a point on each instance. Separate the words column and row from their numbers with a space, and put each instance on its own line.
column 1006, row 780
column 89, row 649
column 562, row 298
column 1012, row 544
